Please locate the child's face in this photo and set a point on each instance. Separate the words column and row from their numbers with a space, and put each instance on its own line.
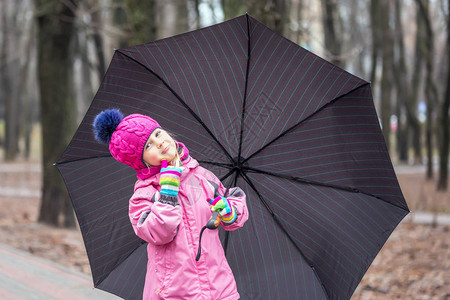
column 160, row 145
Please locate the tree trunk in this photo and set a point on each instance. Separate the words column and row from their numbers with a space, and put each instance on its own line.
column 375, row 15
column 82, row 78
column 172, row 19
column 55, row 23
column 294, row 31
column 386, row 80
column 96, row 21
column 271, row 13
column 12, row 72
column 400, row 76
column 413, row 121
column 232, row 8
column 430, row 87
column 120, row 22
column 27, row 121
column 358, row 37
column 445, row 124
column 15, row 55
column 197, row 18
column 142, row 20
column 333, row 34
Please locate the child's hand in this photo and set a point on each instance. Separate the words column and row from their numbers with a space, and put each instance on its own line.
column 226, row 210
column 169, row 179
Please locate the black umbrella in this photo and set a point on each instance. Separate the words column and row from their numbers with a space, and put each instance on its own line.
column 299, row 135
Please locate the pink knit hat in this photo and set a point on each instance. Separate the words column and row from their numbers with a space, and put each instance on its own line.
column 126, row 136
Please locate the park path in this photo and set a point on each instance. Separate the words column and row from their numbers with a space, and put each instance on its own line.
column 24, row 276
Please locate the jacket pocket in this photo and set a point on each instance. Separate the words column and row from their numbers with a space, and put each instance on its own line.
column 193, row 190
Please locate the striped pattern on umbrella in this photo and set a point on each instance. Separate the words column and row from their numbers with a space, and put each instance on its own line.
column 299, row 135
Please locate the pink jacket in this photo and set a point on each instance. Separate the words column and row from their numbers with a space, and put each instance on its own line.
column 172, row 233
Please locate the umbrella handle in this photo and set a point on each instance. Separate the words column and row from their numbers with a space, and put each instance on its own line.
column 213, row 223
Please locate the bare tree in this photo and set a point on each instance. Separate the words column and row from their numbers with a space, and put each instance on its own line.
column 30, row 94
column 430, row 87
column 233, row 8
column 10, row 67
column 55, row 21
column 82, row 74
column 357, row 29
column 142, row 19
column 15, row 53
column 332, row 30
column 272, row 13
column 195, row 19
column 445, row 124
column 121, row 24
column 375, row 19
column 294, row 30
column 386, row 77
column 412, row 118
column 401, row 85
column 95, row 9
column 172, row 17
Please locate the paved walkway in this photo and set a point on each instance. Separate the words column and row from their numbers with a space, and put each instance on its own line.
column 420, row 217
column 24, row 276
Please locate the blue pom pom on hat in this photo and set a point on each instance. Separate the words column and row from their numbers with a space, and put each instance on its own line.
column 105, row 124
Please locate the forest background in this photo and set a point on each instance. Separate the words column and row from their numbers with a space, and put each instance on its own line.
column 54, row 53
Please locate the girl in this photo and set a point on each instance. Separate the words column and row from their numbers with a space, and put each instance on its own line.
column 173, row 199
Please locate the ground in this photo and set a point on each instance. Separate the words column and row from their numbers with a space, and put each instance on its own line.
column 413, row 264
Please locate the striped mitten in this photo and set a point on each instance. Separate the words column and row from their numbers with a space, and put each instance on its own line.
column 169, row 181
column 226, row 211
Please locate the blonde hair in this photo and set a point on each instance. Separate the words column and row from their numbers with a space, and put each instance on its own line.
column 176, row 161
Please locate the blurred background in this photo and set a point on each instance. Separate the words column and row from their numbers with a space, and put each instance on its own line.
column 53, row 54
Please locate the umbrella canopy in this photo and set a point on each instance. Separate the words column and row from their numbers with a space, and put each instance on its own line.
column 299, row 135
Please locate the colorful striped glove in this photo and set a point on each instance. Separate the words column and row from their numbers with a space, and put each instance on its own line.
column 226, row 211
column 169, row 181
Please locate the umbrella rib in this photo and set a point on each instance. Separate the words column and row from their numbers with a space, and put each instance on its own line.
column 318, row 183
column 224, row 165
column 244, row 102
column 183, row 103
column 301, row 122
column 284, row 230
